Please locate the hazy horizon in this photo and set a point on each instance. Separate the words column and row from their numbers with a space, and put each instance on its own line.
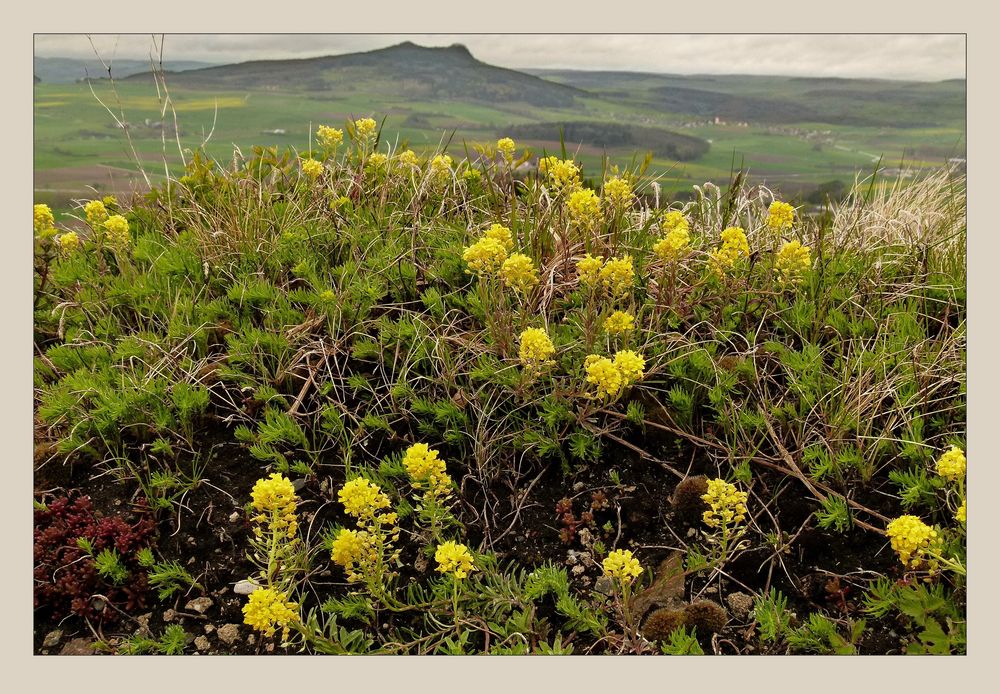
column 918, row 57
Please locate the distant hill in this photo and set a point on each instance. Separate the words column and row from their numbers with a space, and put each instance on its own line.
column 780, row 100
column 406, row 70
column 662, row 143
column 68, row 70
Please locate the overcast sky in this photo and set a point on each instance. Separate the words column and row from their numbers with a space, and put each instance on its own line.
column 919, row 57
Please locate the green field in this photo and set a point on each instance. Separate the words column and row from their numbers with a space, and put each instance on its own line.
column 910, row 126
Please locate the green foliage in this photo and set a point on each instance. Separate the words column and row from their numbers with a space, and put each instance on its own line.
column 681, row 642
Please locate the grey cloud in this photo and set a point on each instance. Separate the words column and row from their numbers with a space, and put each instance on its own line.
column 923, row 57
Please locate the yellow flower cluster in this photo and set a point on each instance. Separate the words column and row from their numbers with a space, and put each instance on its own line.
column 275, row 502
column 631, row 365
column 441, row 169
column 619, row 322
column 536, row 348
column 621, row 565
column 780, row 216
column 44, row 220
column 408, row 157
column 951, row 465
column 562, row 174
column 506, row 147
column 583, row 208
column 792, row 262
column 471, row 176
column 676, row 240
column 588, row 270
column 914, row 541
column 68, row 242
column 349, row 546
column 617, row 276
column 312, row 168
column 116, row 229
column 734, row 246
column 364, row 129
column 378, row 161
column 611, row 376
column 454, row 558
column 519, row 272
column 362, row 499
column 329, row 138
column 500, row 233
column 487, row 255
column 960, row 513
column 617, row 193
column 96, row 212
column 727, row 505
column 268, row 609
column 426, row 470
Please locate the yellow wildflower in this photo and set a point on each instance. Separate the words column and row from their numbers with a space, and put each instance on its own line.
column 364, row 129
column 630, row 364
column 312, row 168
column 561, row 174
column 116, row 229
column 485, row 257
column 536, row 348
column 619, row 322
column 793, row 261
column 501, row 234
column 268, row 609
column 471, row 176
column 733, row 247
column 454, row 558
column 441, row 169
column 588, row 270
column 506, row 147
column 96, row 212
column 621, row 565
column 618, row 275
column 362, row 499
column 780, row 216
column 519, row 272
column 426, row 469
column 951, row 465
column 914, row 541
column 960, row 513
column 68, row 242
column 348, row 547
column 674, row 245
column 110, row 201
column 377, row 161
column 275, row 501
column 617, row 193
column 727, row 505
column 675, row 220
column 44, row 220
column 603, row 373
column 583, row 208
column 329, row 138
column 408, row 157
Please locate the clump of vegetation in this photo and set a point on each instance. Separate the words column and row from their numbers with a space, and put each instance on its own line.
column 401, row 347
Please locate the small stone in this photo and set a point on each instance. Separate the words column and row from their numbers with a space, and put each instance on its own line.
column 579, row 487
column 251, row 639
column 586, row 538
column 169, row 615
column 200, row 605
column 692, row 532
column 604, row 585
column 78, row 647
column 209, row 628
column 740, row 604
column 234, row 516
column 298, row 484
column 245, row 587
column 202, row 643
column 229, row 633
column 711, row 589
column 578, row 569
column 571, row 558
column 52, row 638
column 270, row 648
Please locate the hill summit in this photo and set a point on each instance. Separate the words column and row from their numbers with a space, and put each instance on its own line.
column 410, row 71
